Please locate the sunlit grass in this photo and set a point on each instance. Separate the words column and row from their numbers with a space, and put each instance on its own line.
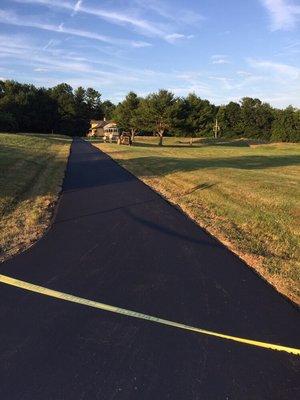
column 32, row 169
column 246, row 194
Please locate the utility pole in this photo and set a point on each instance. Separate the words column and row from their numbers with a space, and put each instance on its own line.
column 216, row 129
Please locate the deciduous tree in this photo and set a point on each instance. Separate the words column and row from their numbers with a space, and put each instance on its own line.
column 126, row 114
column 286, row 125
column 156, row 113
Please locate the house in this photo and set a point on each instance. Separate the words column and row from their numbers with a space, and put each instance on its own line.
column 103, row 128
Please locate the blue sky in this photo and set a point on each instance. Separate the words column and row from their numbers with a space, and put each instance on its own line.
column 221, row 50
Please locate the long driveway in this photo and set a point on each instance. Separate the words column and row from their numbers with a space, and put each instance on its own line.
column 116, row 241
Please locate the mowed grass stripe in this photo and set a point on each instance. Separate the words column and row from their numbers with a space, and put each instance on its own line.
column 32, row 170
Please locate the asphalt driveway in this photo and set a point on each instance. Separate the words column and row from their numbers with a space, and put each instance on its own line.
column 116, row 241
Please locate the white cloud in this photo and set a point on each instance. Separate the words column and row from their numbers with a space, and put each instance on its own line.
column 191, row 82
column 245, row 74
column 141, row 25
column 180, row 16
column 220, row 59
column 201, row 90
column 77, row 5
column 282, row 99
column 215, row 56
column 14, row 19
column 283, row 70
column 20, row 51
column 112, row 16
column 290, row 49
column 248, row 79
column 284, row 13
column 174, row 37
column 226, row 83
column 51, row 43
column 279, row 83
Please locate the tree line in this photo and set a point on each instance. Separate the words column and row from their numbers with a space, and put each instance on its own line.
column 61, row 109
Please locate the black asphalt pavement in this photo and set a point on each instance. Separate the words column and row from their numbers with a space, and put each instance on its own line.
column 116, row 241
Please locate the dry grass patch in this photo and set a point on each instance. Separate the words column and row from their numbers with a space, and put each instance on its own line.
column 32, row 170
column 246, row 194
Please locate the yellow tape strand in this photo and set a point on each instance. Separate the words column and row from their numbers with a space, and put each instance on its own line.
column 90, row 303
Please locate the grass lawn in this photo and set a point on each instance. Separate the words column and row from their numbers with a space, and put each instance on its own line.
column 245, row 194
column 31, row 173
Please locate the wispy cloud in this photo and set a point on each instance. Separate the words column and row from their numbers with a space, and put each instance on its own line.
column 284, row 13
column 47, row 59
column 51, row 43
column 139, row 24
column 174, row 37
column 285, row 78
column 220, row 59
column 43, row 64
column 226, row 82
column 177, row 14
column 77, row 6
column 293, row 47
column 14, row 19
column 282, row 70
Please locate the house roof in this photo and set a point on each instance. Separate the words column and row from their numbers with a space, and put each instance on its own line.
column 101, row 123
column 98, row 124
column 110, row 125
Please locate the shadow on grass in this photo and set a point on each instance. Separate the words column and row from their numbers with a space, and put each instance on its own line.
column 164, row 165
column 23, row 168
column 202, row 186
column 202, row 142
column 177, row 144
column 92, row 141
column 166, row 145
column 187, row 145
column 56, row 137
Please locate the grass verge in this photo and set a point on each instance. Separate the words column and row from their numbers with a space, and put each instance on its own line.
column 32, row 170
column 246, row 194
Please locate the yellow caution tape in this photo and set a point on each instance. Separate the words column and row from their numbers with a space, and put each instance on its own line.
column 90, row 303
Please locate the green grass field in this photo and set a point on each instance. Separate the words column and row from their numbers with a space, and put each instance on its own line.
column 32, row 169
column 246, row 194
